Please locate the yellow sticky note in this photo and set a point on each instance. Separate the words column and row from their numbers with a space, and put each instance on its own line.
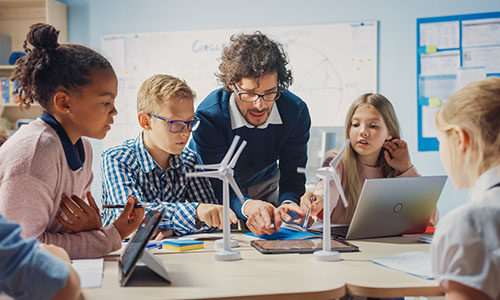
column 433, row 102
column 430, row 49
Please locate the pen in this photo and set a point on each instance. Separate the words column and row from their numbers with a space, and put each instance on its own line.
column 153, row 245
column 139, row 205
column 306, row 220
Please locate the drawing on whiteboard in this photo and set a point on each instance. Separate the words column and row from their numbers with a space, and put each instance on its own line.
column 327, row 76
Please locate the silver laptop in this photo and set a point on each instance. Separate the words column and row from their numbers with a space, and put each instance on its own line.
column 392, row 206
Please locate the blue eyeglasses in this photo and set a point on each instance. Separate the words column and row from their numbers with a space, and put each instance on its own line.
column 177, row 126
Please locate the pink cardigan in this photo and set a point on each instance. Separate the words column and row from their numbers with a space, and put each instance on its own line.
column 34, row 173
column 367, row 172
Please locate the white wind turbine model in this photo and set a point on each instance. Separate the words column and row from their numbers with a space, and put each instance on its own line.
column 224, row 171
column 328, row 174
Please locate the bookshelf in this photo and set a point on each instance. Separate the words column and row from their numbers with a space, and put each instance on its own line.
column 16, row 16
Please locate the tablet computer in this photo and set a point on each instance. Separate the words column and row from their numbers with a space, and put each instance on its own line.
column 300, row 246
column 135, row 247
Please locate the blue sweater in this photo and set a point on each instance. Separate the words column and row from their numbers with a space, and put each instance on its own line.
column 286, row 143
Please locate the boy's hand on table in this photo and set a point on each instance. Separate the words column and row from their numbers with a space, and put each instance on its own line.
column 211, row 214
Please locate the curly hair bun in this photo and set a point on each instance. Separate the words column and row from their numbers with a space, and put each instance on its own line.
column 43, row 36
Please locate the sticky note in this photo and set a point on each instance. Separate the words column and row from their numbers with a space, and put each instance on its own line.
column 423, row 101
column 430, row 49
column 433, row 102
column 427, row 49
column 182, row 245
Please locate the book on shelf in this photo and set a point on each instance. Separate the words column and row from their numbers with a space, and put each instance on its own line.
column 7, row 88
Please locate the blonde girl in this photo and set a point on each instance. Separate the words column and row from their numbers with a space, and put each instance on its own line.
column 376, row 151
column 466, row 247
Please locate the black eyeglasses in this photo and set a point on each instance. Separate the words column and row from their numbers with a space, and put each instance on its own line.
column 177, row 126
column 252, row 97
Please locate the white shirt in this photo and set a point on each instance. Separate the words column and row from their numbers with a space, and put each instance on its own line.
column 237, row 119
column 466, row 245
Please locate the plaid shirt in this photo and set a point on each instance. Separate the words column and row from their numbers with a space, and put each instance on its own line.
column 129, row 169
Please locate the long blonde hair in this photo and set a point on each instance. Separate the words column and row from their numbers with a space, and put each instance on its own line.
column 476, row 109
column 350, row 165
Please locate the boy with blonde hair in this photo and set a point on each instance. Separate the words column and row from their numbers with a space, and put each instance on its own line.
column 153, row 166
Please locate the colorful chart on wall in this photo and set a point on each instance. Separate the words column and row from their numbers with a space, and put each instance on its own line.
column 451, row 52
column 331, row 64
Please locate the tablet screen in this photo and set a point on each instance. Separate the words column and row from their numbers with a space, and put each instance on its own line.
column 138, row 242
column 299, row 246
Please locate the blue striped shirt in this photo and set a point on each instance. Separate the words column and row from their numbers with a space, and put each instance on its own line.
column 129, row 169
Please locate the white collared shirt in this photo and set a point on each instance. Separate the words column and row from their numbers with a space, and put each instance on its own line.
column 466, row 245
column 237, row 119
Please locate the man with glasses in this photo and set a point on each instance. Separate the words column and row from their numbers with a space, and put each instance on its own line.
column 256, row 105
column 152, row 167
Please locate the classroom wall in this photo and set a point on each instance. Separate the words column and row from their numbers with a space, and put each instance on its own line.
column 90, row 19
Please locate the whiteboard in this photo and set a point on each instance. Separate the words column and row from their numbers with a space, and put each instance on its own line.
column 331, row 65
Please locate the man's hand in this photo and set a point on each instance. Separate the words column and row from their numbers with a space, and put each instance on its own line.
column 211, row 214
column 261, row 215
column 81, row 216
column 285, row 209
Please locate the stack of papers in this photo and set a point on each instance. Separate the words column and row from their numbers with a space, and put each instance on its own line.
column 416, row 263
column 182, row 245
column 90, row 271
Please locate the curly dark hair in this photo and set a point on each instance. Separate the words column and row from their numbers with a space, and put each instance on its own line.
column 49, row 66
column 253, row 56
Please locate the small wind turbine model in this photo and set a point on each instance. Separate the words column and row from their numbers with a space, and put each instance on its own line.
column 224, row 171
column 328, row 174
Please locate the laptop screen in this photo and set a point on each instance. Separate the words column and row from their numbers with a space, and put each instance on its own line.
column 137, row 243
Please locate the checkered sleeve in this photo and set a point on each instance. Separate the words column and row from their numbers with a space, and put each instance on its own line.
column 119, row 178
column 199, row 188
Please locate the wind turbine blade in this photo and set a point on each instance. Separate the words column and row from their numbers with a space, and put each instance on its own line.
column 207, row 167
column 336, row 179
column 213, row 174
column 235, row 188
column 229, row 153
column 237, row 154
column 301, row 170
column 334, row 163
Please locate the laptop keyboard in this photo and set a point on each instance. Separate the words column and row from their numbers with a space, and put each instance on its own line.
column 340, row 231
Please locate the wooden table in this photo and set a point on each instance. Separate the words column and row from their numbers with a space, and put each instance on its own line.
column 196, row 275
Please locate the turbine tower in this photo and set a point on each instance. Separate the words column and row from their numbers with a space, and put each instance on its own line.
column 224, row 171
column 329, row 174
